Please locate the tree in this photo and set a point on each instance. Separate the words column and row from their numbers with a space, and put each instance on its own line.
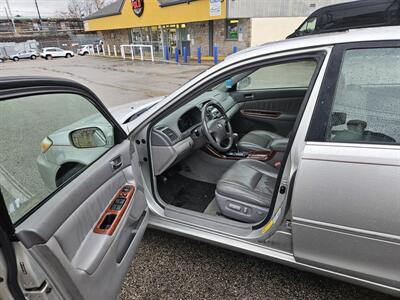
column 83, row 8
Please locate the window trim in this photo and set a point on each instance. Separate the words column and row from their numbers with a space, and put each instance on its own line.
column 45, row 86
column 318, row 127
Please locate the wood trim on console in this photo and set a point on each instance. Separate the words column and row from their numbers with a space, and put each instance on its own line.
column 262, row 156
column 114, row 211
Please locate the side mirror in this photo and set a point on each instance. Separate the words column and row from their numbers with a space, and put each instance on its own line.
column 245, row 82
column 90, row 137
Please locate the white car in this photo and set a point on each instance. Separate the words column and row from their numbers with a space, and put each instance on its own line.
column 51, row 52
column 24, row 54
column 85, row 50
column 61, row 159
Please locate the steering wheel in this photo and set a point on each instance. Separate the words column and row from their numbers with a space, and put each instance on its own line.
column 218, row 130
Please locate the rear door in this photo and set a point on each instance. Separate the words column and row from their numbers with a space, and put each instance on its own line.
column 271, row 96
column 346, row 199
column 74, row 198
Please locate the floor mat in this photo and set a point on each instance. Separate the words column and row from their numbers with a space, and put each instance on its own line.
column 184, row 192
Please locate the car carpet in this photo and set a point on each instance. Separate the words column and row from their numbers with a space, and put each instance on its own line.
column 184, row 192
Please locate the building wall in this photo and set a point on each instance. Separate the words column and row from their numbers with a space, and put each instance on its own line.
column 265, row 30
column 199, row 33
column 154, row 15
column 115, row 37
column 224, row 45
column 275, row 8
column 199, row 37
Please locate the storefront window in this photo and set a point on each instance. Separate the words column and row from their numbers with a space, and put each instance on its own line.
column 232, row 29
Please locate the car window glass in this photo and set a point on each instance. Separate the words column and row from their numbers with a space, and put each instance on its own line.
column 366, row 105
column 36, row 143
column 308, row 26
column 286, row 75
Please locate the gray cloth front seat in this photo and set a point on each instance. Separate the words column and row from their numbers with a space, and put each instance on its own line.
column 257, row 141
column 245, row 191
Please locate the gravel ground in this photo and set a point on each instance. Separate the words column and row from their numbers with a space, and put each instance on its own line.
column 173, row 267
column 168, row 266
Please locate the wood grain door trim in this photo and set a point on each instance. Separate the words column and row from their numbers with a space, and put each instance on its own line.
column 115, row 211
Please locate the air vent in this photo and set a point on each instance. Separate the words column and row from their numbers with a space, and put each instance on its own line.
column 170, row 133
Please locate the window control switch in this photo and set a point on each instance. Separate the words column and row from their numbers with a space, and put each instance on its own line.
column 120, row 200
column 116, row 206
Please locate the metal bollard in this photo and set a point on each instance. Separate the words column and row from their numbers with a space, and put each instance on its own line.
column 184, row 55
column 235, row 49
column 199, row 55
column 166, row 53
column 215, row 55
column 176, row 55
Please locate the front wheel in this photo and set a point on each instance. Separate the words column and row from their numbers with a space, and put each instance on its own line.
column 67, row 171
column 49, row 57
column 15, row 59
column 33, row 57
column 68, row 55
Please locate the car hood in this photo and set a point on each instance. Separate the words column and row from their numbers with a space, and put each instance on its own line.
column 122, row 113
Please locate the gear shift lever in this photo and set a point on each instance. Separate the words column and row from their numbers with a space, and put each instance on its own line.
column 235, row 137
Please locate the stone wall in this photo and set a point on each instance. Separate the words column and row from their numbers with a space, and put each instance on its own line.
column 115, row 37
column 199, row 37
column 225, row 45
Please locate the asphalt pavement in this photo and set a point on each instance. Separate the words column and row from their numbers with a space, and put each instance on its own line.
column 169, row 266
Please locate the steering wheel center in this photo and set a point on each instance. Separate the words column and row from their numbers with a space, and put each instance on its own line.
column 217, row 128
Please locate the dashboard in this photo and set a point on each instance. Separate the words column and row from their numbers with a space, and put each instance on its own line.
column 179, row 133
column 189, row 119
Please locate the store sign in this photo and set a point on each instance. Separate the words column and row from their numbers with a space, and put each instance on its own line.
column 215, row 8
column 138, row 7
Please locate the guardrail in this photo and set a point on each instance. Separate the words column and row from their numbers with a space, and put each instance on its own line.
column 163, row 53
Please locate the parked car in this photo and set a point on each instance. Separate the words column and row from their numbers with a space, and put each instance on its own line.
column 52, row 52
column 287, row 151
column 344, row 16
column 85, row 50
column 25, row 54
column 55, row 169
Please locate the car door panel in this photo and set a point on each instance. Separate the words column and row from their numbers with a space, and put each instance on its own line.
column 64, row 226
column 272, row 110
column 350, row 210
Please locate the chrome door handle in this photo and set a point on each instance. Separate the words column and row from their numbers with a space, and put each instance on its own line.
column 249, row 96
column 116, row 163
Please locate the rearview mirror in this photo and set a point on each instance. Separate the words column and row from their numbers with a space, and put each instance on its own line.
column 90, row 137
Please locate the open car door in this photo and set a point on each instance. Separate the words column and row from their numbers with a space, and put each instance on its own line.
column 70, row 184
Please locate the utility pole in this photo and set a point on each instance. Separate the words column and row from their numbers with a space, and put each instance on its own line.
column 40, row 18
column 12, row 17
